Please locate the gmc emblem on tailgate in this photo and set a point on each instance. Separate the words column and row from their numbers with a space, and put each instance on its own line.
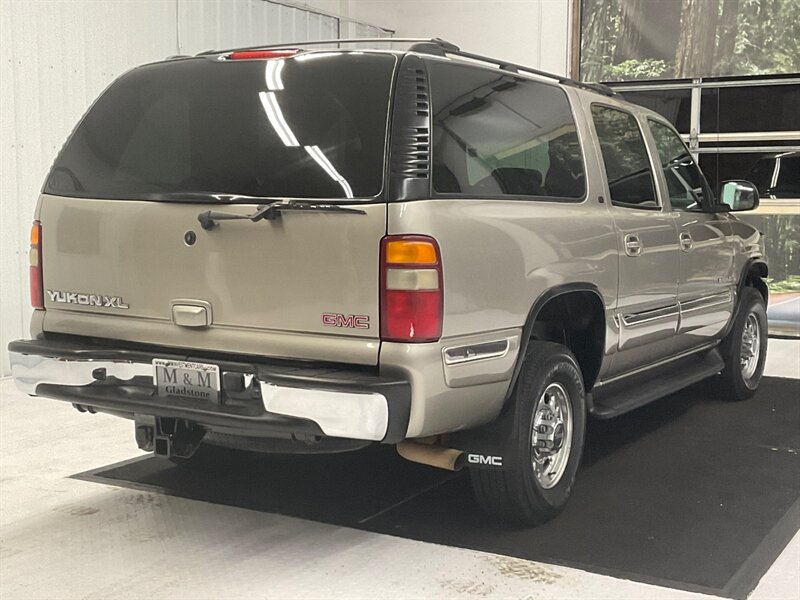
column 351, row 321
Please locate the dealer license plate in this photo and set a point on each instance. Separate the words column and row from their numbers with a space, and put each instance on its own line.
column 186, row 379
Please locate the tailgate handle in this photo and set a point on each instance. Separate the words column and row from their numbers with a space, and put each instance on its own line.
column 191, row 315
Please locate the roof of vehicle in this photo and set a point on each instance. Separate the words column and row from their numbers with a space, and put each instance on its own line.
column 432, row 46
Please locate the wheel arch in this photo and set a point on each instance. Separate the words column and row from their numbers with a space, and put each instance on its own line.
column 552, row 301
column 753, row 273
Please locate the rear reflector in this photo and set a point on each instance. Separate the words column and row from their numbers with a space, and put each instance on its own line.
column 251, row 54
column 412, row 295
column 37, row 284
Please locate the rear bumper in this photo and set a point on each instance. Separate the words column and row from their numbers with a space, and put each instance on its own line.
column 260, row 399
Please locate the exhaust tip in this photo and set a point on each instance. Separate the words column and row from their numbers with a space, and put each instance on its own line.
column 440, row 457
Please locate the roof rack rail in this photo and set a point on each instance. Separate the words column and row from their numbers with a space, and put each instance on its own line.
column 515, row 68
column 287, row 45
column 438, row 47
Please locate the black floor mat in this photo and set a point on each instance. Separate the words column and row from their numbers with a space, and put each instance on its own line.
column 691, row 492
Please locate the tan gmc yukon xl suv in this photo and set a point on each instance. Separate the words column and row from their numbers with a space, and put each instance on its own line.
column 313, row 250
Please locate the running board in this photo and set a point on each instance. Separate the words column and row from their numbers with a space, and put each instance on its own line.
column 626, row 394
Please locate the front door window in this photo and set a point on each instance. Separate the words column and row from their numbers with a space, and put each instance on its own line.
column 687, row 187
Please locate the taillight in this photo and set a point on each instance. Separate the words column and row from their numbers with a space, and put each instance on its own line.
column 412, row 296
column 37, row 284
column 250, row 54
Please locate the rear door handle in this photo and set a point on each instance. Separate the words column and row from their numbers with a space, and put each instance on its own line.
column 633, row 245
column 687, row 243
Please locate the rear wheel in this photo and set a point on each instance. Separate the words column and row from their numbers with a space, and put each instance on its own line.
column 745, row 348
column 548, row 440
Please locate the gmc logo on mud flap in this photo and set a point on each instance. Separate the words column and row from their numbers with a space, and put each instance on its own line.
column 351, row 321
column 482, row 459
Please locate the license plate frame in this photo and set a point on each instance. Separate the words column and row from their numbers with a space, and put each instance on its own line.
column 186, row 379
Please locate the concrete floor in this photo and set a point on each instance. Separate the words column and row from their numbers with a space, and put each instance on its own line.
column 64, row 538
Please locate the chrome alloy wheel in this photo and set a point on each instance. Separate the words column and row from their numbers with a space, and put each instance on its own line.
column 551, row 435
column 751, row 346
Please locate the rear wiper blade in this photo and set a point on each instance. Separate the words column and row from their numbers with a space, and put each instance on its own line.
column 269, row 212
column 198, row 197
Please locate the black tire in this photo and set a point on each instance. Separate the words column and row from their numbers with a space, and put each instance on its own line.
column 735, row 382
column 516, row 495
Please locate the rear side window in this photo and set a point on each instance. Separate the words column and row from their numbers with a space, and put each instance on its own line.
column 496, row 134
column 630, row 177
column 312, row 126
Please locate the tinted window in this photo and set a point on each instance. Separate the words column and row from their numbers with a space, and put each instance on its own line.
column 308, row 127
column 688, row 188
column 777, row 176
column 674, row 105
column 753, row 108
column 496, row 134
column 630, row 178
column 759, row 168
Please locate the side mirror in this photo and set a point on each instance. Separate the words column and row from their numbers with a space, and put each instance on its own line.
column 739, row 195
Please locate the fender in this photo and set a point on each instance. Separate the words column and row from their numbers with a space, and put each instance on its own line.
column 760, row 266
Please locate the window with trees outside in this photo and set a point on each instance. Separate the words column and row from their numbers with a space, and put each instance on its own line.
column 646, row 39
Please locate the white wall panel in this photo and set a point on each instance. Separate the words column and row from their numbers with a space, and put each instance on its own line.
column 218, row 24
column 531, row 32
column 56, row 56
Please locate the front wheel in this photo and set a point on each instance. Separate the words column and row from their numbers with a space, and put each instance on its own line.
column 745, row 348
column 547, row 440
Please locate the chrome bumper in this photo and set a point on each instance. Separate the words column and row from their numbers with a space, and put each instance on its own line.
column 356, row 406
column 339, row 414
column 29, row 371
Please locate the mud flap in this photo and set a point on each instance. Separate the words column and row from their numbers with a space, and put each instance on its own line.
column 491, row 446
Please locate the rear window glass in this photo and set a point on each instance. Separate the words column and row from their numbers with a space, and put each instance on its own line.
column 496, row 134
column 312, row 126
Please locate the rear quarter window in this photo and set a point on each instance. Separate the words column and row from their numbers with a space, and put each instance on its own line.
column 497, row 134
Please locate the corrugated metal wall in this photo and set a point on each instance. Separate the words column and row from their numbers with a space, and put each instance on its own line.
column 225, row 24
column 58, row 55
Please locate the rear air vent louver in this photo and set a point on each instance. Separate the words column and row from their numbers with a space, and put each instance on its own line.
column 411, row 139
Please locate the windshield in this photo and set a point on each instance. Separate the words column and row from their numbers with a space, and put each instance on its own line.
column 311, row 126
